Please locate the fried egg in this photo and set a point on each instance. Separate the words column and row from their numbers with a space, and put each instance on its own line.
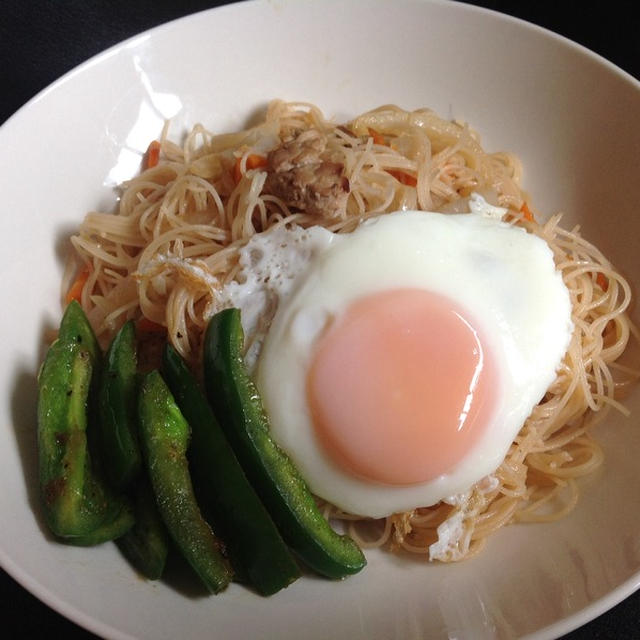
column 398, row 362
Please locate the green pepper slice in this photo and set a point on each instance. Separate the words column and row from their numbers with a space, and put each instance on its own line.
column 117, row 409
column 146, row 544
column 249, row 533
column 237, row 405
column 78, row 505
column 165, row 438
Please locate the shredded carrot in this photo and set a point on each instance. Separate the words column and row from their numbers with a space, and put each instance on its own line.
column 153, row 154
column 254, row 161
column 144, row 325
column 602, row 281
column 404, row 178
column 378, row 138
column 526, row 212
column 75, row 290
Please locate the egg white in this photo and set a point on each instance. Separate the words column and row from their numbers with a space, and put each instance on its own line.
column 504, row 276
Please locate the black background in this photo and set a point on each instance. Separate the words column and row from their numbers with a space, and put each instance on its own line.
column 40, row 40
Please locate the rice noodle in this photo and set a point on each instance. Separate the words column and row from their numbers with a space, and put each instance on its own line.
column 174, row 242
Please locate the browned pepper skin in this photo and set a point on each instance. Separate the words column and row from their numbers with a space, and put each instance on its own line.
column 78, row 505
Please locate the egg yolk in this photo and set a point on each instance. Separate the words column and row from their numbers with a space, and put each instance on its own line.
column 401, row 386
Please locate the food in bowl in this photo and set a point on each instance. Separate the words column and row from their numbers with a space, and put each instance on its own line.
column 430, row 353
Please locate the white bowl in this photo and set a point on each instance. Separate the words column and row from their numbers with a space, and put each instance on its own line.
column 567, row 113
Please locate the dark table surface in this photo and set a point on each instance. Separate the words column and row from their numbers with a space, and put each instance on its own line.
column 42, row 39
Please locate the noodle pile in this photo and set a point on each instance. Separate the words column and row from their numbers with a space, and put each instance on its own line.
column 174, row 242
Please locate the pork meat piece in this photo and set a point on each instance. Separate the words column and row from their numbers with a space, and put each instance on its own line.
column 303, row 173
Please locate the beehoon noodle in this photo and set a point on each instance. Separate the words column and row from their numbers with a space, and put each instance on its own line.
column 174, row 241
